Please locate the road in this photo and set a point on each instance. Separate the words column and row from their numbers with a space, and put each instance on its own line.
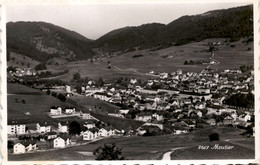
column 167, row 155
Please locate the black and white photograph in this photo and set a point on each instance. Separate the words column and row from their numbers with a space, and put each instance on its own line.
column 131, row 81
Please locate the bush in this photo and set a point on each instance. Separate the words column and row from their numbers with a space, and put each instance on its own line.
column 41, row 66
column 74, row 128
column 61, row 97
column 214, row 137
column 76, row 76
column 108, row 152
column 137, row 55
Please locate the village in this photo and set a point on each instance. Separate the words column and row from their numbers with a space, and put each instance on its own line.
column 169, row 103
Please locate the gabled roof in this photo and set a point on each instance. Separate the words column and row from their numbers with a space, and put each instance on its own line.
column 50, row 133
column 55, row 107
column 28, row 142
column 13, row 122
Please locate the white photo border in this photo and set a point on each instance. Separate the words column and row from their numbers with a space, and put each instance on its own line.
column 3, row 93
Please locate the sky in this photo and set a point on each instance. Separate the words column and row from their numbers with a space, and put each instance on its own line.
column 95, row 20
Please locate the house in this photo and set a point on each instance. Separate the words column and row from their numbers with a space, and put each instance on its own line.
column 203, row 90
column 55, row 110
column 110, row 131
column 200, row 105
column 18, row 148
column 123, row 111
column 153, row 124
column 211, row 121
column 234, row 116
column 199, row 113
column 62, row 128
column 143, row 117
column 228, row 120
column 180, row 131
column 43, row 128
column 102, row 96
column 15, row 128
column 245, row 117
column 85, row 115
column 88, row 135
column 102, row 132
column 67, row 89
column 179, row 71
column 157, row 116
column 24, row 146
column 70, row 110
column 89, row 124
column 51, row 135
column 61, row 142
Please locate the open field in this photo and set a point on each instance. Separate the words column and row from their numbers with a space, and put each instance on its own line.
column 37, row 105
column 148, row 148
column 35, row 102
column 13, row 88
column 234, row 57
column 94, row 104
column 118, row 123
column 18, row 60
column 127, row 66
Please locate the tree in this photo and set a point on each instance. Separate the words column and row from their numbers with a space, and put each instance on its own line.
column 74, row 128
column 108, row 152
column 76, row 76
column 48, row 92
column 41, row 66
column 61, row 97
column 214, row 137
column 100, row 82
column 79, row 89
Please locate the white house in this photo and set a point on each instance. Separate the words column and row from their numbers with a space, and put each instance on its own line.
column 43, row 128
column 110, row 131
column 102, row 132
column 85, row 115
column 89, row 124
column 60, row 142
column 88, row 135
column 102, row 96
column 67, row 89
column 16, row 129
column 24, row 146
column 69, row 111
column 62, row 128
column 55, row 110
column 123, row 111
column 245, row 117
column 158, row 117
column 204, row 90
column 143, row 117
column 19, row 148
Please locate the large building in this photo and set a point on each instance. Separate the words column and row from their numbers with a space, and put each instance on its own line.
column 15, row 128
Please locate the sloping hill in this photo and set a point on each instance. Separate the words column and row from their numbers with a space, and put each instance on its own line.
column 42, row 41
column 131, row 37
column 233, row 23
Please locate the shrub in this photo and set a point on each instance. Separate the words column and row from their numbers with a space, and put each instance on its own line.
column 214, row 137
column 108, row 152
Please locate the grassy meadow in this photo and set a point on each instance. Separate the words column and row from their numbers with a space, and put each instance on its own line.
column 164, row 60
